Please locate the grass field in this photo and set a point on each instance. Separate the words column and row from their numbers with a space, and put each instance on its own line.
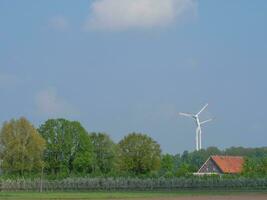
column 132, row 195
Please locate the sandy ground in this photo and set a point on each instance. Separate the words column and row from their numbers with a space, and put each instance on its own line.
column 224, row 197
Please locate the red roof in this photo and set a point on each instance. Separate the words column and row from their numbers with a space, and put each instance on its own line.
column 229, row 164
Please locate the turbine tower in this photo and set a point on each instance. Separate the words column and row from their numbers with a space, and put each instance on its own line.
column 195, row 117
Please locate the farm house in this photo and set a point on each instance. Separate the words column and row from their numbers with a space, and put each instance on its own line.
column 222, row 165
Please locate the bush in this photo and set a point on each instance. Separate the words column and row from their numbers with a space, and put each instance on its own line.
column 132, row 184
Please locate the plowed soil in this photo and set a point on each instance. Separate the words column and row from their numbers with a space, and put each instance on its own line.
column 214, row 197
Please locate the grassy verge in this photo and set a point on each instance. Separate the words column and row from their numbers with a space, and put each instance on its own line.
column 113, row 195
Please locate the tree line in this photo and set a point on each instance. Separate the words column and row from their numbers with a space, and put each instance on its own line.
column 60, row 148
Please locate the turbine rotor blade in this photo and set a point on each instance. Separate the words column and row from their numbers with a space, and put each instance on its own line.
column 206, row 121
column 202, row 109
column 186, row 114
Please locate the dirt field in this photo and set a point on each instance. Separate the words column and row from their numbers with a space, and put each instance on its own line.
column 220, row 197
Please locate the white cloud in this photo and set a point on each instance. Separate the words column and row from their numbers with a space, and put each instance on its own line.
column 126, row 14
column 7, row 80
column 50, row 104
column 58, row 23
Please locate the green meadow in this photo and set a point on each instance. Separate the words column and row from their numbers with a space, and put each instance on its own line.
column 119, row 195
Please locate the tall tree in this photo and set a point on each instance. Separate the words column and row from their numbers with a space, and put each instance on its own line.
column 21, row 147
column 139, row 154
column 104, row 151
column 69, row 148
column 167, row 162
column 167, row 165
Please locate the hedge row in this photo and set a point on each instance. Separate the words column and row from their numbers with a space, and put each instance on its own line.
column 132, row 184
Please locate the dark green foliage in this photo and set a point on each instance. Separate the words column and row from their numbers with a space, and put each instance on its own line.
column 104, row 152
column 248, row 152
column 194, row 160
column 69, row 149
column 138, row 154
column 167, row 165
column 183, row 170
column 255, row 167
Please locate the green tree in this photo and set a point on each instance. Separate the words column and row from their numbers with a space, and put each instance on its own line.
column 211, row 151
column 21, row 147
column 194, row 160
column 255, row 167
column 138, row 154
column 248, row 152
column 177, row 160
column 104, row 151
column 183, row 170
column 167, row 165
column 197, row 158
column 69, row 148
column 167, row 162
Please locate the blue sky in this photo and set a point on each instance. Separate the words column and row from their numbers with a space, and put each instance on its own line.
column 120, row 66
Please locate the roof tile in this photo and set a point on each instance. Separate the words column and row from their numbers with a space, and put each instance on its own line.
column 229, row 164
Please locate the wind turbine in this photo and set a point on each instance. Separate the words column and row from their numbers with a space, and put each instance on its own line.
column 195, row 117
